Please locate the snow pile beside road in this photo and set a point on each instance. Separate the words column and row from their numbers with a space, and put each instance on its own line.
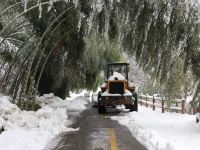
column 50, row 100
column 79, row 104
column 157, row 131
column 33, row 130
column 75, row 102
column 24, row 139
column 53, row 120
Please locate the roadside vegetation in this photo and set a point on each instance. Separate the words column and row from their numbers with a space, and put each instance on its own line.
column 49, row 46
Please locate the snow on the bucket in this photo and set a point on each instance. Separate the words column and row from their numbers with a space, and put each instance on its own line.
column 33, row 130
column 117, row 75
column 162, row 131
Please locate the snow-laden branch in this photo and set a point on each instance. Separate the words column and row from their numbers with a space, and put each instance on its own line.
column 196, row 90
column 21, row 14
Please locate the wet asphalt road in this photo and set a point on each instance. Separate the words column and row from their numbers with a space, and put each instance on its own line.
column 98, row 132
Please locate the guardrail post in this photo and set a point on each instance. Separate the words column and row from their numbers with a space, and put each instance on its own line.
column 154, row 104
column 183, row 106
column 163, row 110
column 194, row 110
column 146, row 101
column 177, row 107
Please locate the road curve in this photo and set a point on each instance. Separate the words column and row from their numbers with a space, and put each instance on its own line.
column 98, row 132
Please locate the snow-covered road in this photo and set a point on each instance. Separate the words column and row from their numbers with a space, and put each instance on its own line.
column 97, row 132
column 167, row 131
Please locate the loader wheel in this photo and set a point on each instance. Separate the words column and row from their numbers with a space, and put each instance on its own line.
column 131, row 107
column 99, row 95
column 127, row 106
column 101, row 109
column 135, row 105
column 197, row 120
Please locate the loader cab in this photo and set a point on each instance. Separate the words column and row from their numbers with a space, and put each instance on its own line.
column 121, row 68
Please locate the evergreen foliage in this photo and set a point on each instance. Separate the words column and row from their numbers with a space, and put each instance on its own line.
column 61, row 58
column 64, row 45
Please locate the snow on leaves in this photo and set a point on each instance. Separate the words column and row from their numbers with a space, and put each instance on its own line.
column 40, row 3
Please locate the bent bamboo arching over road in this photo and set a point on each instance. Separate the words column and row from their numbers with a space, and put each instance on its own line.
column 69, row 68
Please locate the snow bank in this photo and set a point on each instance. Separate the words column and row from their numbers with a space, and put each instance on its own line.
column 33, row 130
column 75, row 102
column 117, row 75
column 23, row 139
column 168, row 131
column 44, row 118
